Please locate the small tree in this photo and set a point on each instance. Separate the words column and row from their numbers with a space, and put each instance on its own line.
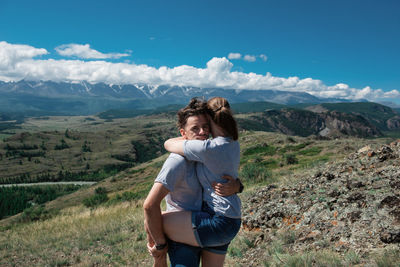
column 290, row 159
column 62, row 145
column 100, row 196
column 86, row 147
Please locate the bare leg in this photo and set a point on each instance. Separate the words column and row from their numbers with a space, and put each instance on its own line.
column 209, row 259
column 178, row 227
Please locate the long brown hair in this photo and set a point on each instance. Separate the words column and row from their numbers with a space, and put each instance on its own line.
column 221, row 114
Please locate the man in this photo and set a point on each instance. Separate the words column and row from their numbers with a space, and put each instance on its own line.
column 178, row 183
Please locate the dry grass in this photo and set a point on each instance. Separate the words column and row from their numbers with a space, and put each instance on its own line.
column 79, row 236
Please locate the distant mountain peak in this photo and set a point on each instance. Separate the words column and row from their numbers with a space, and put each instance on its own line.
column 112, row 96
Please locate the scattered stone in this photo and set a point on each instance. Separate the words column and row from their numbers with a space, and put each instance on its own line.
column 390, row 237
column 354, row 216
column 364, row 149
column 390, row 201
column 352, row 204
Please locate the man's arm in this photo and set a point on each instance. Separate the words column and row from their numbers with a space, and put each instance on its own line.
column 233, row 186
column 152, row 215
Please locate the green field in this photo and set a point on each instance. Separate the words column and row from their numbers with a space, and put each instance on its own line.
column 80, row 148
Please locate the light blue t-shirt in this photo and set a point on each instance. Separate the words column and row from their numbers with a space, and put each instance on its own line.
column 215, row 158
column 178, row 175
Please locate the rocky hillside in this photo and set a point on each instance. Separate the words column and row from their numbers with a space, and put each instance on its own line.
column 383, row 117
column 305, row 123
column 351, row 205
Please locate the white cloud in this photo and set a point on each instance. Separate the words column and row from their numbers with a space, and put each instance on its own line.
column 263, row 57
column 10, row 54
column 19, row 62
column 85, row 52
column 249, row 58
column 235, row 56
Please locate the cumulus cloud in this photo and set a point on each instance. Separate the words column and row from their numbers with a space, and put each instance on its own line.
column 249, row 58
column 235, row 56
column 21, row 62
column 85, row 52
column 263, row 57
column 10, row 54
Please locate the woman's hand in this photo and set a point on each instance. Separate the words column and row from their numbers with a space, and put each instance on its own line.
column 226, row 189
column 175, row 145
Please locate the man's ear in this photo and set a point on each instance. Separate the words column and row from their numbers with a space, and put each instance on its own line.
column 183, row 132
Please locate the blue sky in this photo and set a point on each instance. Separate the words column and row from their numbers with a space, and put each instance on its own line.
column 329, row 48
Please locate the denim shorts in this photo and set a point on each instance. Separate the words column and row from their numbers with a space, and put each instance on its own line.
column 183, row 255
column 214, row 232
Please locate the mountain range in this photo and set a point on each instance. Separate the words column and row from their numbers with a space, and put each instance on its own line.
column 83, row 98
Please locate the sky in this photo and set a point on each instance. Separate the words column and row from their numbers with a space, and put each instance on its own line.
column 344, row 48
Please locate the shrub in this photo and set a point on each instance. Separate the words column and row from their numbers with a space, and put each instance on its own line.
column 264, row 149
column 62, row 145
column 254, row 173
column 290, row 139
column 100, row 190
column 125, row 196
column 86, row 147
column 290, row 159
column 100, row 196
column 311, row 151
column 35, row 213
column 389, row 257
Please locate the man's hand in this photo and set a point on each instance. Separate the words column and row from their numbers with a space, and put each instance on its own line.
column 151, row 248
column 160, row 256
column 231, row 187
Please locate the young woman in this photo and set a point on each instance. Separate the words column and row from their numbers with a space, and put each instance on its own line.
column 218, row 223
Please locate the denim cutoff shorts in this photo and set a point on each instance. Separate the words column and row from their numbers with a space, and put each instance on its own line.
column 214, row 232
column 183, row 255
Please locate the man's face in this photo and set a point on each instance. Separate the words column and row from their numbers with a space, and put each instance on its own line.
column 196, row 128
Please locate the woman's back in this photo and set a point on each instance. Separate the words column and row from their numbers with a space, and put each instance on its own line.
column 217, row 157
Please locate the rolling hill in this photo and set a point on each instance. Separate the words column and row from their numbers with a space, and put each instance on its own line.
column 66, row 232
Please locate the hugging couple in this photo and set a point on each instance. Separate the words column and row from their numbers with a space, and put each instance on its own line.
column 199, row 183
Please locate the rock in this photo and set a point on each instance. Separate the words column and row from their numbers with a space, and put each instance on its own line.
column 396, row 213
column 364, row 149
column 353, row 204
column 390, row 236
column 390, row 201
column 311, row 236
column 356, row 197
column 354, row 216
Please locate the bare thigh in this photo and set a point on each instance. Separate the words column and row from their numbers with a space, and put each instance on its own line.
column 178, row 227
column 209, row 259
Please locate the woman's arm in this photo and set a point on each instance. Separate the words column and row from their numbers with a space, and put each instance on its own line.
column 175, row 145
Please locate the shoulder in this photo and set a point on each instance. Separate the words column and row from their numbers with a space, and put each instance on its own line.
column 174, row 168
column 175, row 161
column 222, row 142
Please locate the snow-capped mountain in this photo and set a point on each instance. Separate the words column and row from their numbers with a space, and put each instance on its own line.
column 33, row 95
